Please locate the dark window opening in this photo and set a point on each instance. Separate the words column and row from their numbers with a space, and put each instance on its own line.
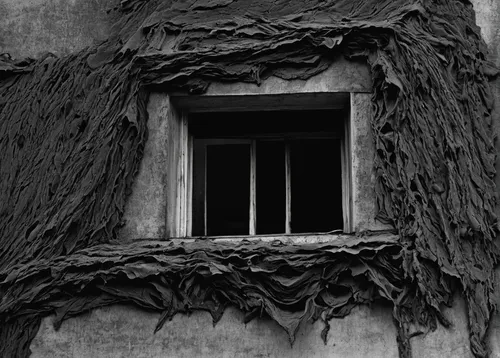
column 228, row 189
column 271, row 188
column 266, row 172
column 316, row 186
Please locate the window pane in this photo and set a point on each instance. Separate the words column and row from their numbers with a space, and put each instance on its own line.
column 271, row 200
column 316, row 186
column 198, row 207
column 265, row 124
column 228, row 189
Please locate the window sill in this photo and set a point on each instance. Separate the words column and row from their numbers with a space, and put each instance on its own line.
column 336, row 239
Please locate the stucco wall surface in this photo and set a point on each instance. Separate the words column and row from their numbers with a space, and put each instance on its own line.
column 488, row 18
column 126, row 331
column 30, row 28
column 122, row 331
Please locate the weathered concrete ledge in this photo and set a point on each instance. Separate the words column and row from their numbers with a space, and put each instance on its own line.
column 334, row 239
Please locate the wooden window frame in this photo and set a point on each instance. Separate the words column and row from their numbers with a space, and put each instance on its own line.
column 180, row 152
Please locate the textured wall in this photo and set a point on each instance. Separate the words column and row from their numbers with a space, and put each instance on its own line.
column 488, row 18
column 29, row 28
column 32, row 27
column 121, row 331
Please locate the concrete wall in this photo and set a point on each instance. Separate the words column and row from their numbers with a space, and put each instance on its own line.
column 126, row 331
column 121, row 331
column 488, row 18
column 29, row 28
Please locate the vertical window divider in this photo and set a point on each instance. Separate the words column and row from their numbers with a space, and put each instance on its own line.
column 253, row 188
column 346, row 174
column 189, row 186
column 184, row 205
column 205, row 206
column 288, row 181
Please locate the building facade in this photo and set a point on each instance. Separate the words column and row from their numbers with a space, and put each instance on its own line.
column 161, row 205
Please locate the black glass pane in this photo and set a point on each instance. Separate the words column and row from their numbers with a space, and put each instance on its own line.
column 316, row 183
column 270, row 188
column 228, row 189
column 267, row 124
column 198, row 213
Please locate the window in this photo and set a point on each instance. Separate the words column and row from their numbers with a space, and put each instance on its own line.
column 160, row 202
column 274, row 172
column 260, row 168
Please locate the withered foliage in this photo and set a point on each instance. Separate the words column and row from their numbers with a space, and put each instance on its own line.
column 72, row 132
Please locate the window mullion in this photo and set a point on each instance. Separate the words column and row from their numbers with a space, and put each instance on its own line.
column 288, row 183
column 253, row 186
column 183, row 206
column 346, row 161
column 205, row 190
column 189, row 186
